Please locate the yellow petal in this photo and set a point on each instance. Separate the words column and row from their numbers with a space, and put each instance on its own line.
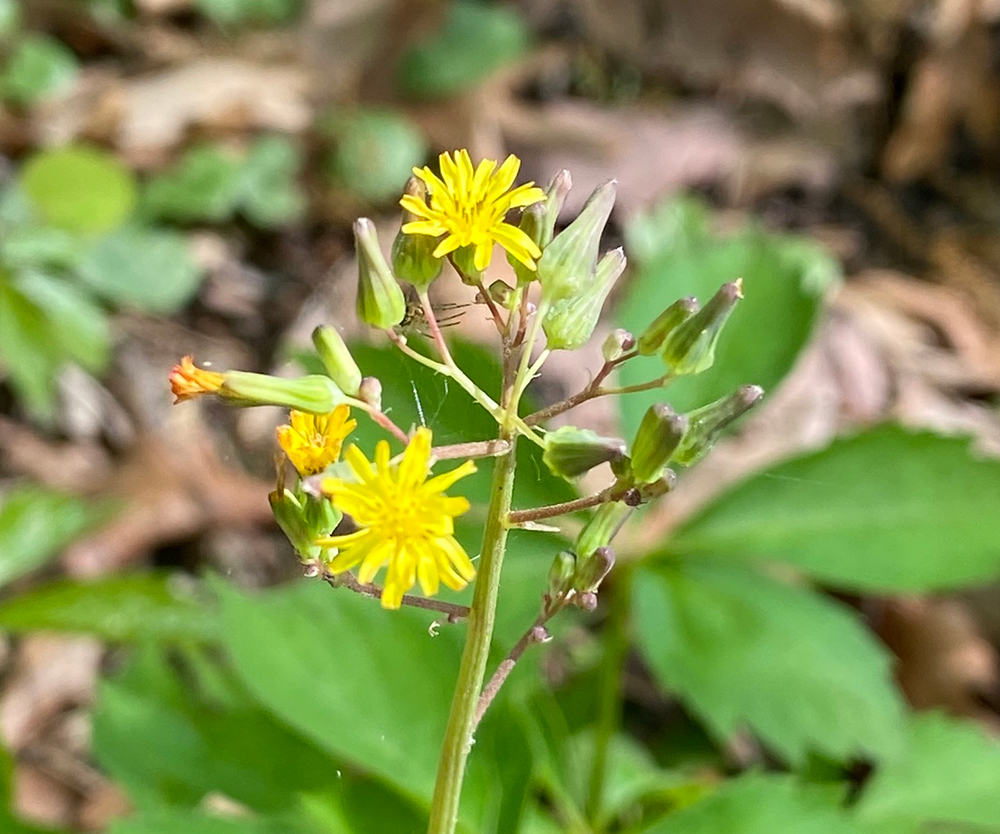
column 439, row 483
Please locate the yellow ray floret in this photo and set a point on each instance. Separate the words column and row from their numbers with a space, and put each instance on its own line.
column 313, row 441
column 405, row 521
column 468, row 206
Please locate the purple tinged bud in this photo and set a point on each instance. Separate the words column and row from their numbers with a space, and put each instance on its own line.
column 690, row 347
column 618, row 343
column 570, row 452
column 591, row 571
column 660, row 433
column 653, row 337
column 370, row 391
column 708, row 422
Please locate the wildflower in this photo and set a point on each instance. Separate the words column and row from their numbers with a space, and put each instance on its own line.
column 468, row 207
column 188, row 381
column 313, row 441
column 405, row 520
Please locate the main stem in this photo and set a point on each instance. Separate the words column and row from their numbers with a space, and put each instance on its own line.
column 472, row 671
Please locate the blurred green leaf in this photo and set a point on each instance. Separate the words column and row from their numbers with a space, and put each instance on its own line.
column 798, row 669
column 375, row 152
column 475, row 39
column 33, row 246
column 40, row 66
column 36, row 523
column 676, row 255
column 948, row 773
column 178, row 821
column 886, row 510
column 761, row 804
column 79, row 188
column 136, row 607
column 150, row 270
column 204, row 185
column 232, row 12
column 271, row 195
column 26, row 354
column 10, row 17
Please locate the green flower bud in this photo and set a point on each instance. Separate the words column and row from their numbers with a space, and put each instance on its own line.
column 412, row 255
column 591, row 571
column 690, row 347
column 380, row 300
column 659, row 435
column 290, row 515
column 561, row 574
column 602, row 527
column 570, row 322
column 569, row 451
column 618, row 343
column 501, row 293
column 567, row 263
column 652, row 338
column 538, row 221
column 707, row 423
column 315, row 393
column 337, row 359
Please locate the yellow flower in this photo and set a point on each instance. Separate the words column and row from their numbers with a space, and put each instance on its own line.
column 469, row 206
column 405, row 520
column 188, row 381
column 312, row 441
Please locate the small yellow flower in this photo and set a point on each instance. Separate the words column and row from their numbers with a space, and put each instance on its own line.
column 469, row 206
column 188, row 381
column 312, row 441
column 405, row 520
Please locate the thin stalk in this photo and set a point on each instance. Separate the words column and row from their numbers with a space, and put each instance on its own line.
column 516, row 517
column 589, row 393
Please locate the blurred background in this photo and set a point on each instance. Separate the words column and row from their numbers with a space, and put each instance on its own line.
column 180, row 177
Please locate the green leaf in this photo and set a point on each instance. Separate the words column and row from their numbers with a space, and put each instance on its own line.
column 948, row 773
column 271, row 194
column 178, row 821
column 79, row 188
column 375, row 152
column 887, row 510
column 32, row 246
column 136, row 607
column 740, row 649
column 784, row 278
column 36, row 523
column 39, row 67
column 475, row 40
column 204, row 185
column 10, row 17
column 761, row 804
column 151, row 270
column 26, row 350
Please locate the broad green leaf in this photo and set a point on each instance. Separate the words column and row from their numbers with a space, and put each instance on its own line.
column 271, row 195
column 136, row 607
column 151, row 270
column 204, row 185
column 39, row 67
column 28, row 245
column 948, row 773
column 79, row 188
column 675, row 255
column 374, row 153
column 36, row 523
column 474, row 40
column 886, row 510
column 179, row 821
column 761, row 804
column 26, row 354
column 742, row 650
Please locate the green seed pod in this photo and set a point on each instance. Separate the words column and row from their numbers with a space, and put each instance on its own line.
column 413, row 255
column 707, row 423
column 690, row 347
column 602, row 527
column 567, row 263
column 315, row 393
column 337, row 359
column 652, row 338
column 569, row 451
column 380, row 300
column 570, row 322
column 659, row 434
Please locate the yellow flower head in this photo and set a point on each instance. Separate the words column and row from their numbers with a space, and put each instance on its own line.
column 405, row 520
column 469, row 206
column 312, row 441
column 188, row 381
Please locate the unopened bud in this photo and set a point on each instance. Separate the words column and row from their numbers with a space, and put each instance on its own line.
column 370, row 391
column 586, row 601
column 659, row 435
column 570, row 322
column 653, row 337
column 380, row 300
column 618, row 343
column 561, row 575
column 538, row 221
column 315, row 393
column 464, row 259
column 291, row 518
column 666, row 483
column 413, row 255
column 690, row 348
column 337, row 359
column 569, row 451
column 708, row 422
column 567, row 263
column 602, row 527
column 501, row 293
column 592, row 570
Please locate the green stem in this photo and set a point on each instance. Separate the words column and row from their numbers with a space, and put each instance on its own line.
column 472, row 671
column 609, row 716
